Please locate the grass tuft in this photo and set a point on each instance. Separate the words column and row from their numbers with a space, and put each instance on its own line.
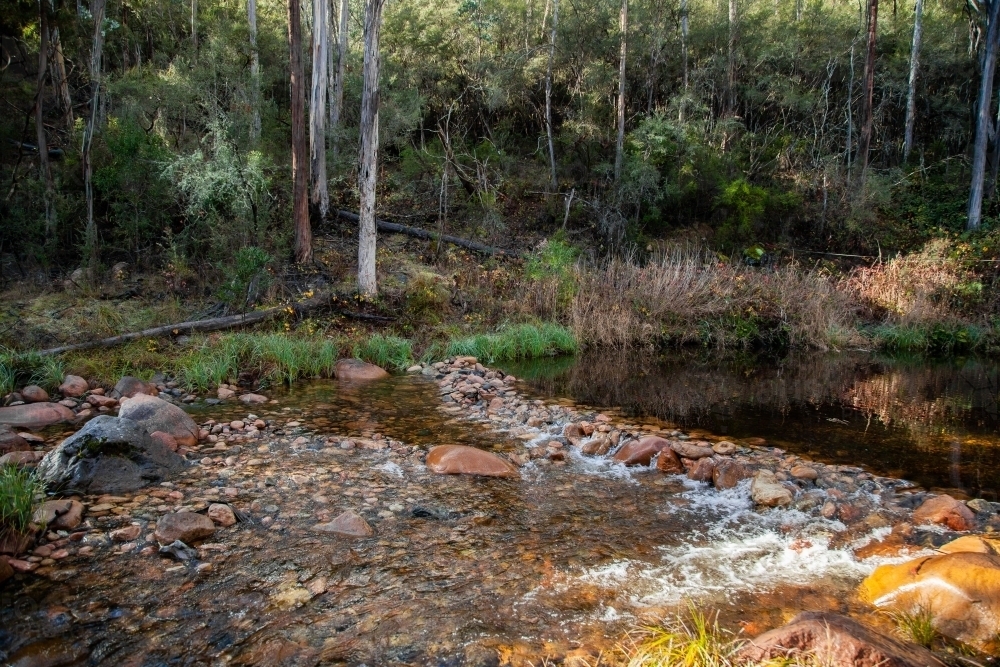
column 18, row 369
column 917, row 626
column 386, row 351
column 514, row 342
column 685, row 642
column 19, row 490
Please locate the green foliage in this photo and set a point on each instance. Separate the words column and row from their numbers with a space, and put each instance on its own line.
column 917, row 627
column 513, row 342
column 937, row 339
column 426, row 296
column 386, row 351
column 748, row 208
column 19, row 491
column 555, row 260
column 19, row 369
column 269, row 358
column 246, row 278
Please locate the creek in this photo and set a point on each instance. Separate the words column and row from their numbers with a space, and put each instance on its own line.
column 561, row 562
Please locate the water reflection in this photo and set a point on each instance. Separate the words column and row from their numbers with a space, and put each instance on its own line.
column 935, row 423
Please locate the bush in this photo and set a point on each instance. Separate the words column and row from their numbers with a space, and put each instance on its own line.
column 246, row 279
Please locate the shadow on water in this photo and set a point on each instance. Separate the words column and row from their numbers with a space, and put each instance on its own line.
column 936, row 423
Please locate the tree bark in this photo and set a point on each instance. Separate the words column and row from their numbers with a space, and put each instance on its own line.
column 368, row 150
column 731, row 62
column 981, row 140
column 554, row 182
column 194, row 26
column 620, row 144
column 59, row 80
column 44, row 169
column 254, row 72
column 338, row 82
column 97, row 48
column 319, row 196
column 684, row 41
column 300, row 150
column 911, row 92
column 867, row 111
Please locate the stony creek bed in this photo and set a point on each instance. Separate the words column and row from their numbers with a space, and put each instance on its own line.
column 558, row 563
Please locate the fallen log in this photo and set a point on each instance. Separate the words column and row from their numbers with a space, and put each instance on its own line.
column 211, row 324
column 416, row 232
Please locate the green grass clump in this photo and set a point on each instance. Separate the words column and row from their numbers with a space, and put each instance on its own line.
column 18, row 369
column 937, row 339
column 386, row 351
column 685, row 642
column 519, row 341
column 917, row 626
column 19, row 490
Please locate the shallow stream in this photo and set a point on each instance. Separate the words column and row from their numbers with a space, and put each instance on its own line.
column 560, row 563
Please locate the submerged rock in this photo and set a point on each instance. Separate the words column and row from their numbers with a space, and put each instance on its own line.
column 961, row 590
column 668, row 462
column 348, row 524
column 464, row 460
column 833, row 640
column 35, row 415
column 108, row 455
column 945, row 511
column 187, row 527
column 59, row 514
column 729, row 473
column 155, row 414
column 355, row 370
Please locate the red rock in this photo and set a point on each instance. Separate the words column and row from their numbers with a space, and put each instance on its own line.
column 729, row 473
column 724, row 447
column 253, row 399
column 155, row 414
column 224, row 392
column 463, row 460
column 64, row 514
column 126, row 534
column 21, row 459
column 668, row 462
column 702, row 470
column 35, row 415
column 129, row 386
column 803, row 472
column 574, row 434
column 187, row 527
column 945, row 511
column 690, row 450
column 599, row 446
column 833, row 640
column 167, row 440
column 102, row 401
column 221, row 514
column 641, row 452
column 11, row 442
column 348, row 524
column 74, row 386
column 355, row 370
column 22, row 565
column 34, row 394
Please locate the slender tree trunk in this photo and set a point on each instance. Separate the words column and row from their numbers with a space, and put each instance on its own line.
column 911, row 92
column 90, row 234
column 991, row 182
column 989, row 62
column 867, row 111
column 338, row 83
column 254, row 71
column 684, row 42
column 194, row 26
column 300, row 149
column 553, row 182
column 620, row 144
column 59, row 80
column 731, row 61
column 44, row 170
column 368, row 153
column 319, row 197
column 850, row 117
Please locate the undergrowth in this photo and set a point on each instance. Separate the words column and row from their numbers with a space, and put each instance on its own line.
column 389, row 352
column 19, row 491
column 18, row 369
column 518, row 341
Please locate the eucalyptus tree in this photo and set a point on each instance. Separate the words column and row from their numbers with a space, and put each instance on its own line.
column 300, row 159
column 368, row 149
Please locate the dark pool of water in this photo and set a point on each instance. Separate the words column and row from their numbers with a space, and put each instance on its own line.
column 936, row 423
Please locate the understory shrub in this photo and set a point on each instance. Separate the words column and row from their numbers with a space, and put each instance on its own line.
column 518, row 341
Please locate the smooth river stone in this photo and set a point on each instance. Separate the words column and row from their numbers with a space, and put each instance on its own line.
column 348, row 524
column 155, row 414
column 355, row 370
column 35, row 415
column 641, row 452
column 463, row 460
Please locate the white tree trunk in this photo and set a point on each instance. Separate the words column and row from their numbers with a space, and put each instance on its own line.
column 254, row 72
column 90, row 233
column 731, row 61
column 319, row 197
column 620, row 144
column 337, row 103
column 983, row 117
column 368, row 152
column 911, row 92
column 554, row 182
column 684, row 41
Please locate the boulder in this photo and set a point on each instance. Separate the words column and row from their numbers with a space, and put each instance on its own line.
column 689, row 450
column 574, row 434
column 641, row 452
column 945, row 511
column 668, row 462
column 599, row 446
column 165, row 439
column 21, row 459
column 11, row 441
column 221, row 514
column 833, row 640
column 59, row 514
column 348, row 524
column 74, row 386
column 129, row 386
column 702, row 470
column 463, row 460
column 766, row 490
column 355, row 370
column 6, row 571
column 976, row 544
column 188, row 527
column 960, row 590
column 35, row 415
column 108, row 455
column 729, row 473
column 34, row 394
column 155, row 414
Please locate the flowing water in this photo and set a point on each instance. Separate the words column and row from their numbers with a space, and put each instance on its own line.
column 558, row 563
